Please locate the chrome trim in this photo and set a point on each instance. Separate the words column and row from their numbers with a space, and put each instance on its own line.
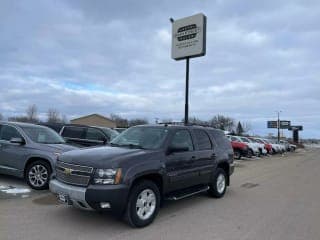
column 76, row 165
column 75, row 194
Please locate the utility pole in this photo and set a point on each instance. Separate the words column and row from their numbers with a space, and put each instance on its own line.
column 278, row 125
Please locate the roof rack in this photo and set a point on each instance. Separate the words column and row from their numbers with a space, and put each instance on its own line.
column 183, row 124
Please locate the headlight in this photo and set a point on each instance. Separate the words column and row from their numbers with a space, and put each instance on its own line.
column 107, row 176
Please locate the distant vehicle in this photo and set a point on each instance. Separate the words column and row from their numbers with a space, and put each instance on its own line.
column 84, row 136
column 30, row 151
column 240, row 149
column 267, row 145
column 276, row 147
column 253, row 147
column 144, row 166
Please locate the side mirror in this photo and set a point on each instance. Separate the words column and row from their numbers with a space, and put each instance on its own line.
column 175, row 149
column 17, row 140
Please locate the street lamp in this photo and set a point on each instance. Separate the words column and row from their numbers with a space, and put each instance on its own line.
column 278, row 125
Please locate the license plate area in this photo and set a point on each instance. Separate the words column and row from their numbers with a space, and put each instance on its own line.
column 64, row 198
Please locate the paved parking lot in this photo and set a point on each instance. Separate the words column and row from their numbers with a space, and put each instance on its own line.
column 270, row 198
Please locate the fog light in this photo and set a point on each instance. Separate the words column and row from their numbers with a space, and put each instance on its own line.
column 105, row 205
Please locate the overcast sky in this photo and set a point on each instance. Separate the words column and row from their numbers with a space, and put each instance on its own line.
column 84, row 57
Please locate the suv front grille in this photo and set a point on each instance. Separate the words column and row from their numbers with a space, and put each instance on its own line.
column 73, row 174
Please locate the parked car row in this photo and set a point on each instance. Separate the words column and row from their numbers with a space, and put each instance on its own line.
column 253, row 146
column 131, row 176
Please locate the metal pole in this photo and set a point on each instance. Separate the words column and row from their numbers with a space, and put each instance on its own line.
column 278, row 127
column 186, row 108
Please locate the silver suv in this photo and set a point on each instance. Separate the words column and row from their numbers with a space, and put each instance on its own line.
column 30, row 151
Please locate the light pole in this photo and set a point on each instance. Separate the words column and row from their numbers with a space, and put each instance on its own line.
column 278, row 125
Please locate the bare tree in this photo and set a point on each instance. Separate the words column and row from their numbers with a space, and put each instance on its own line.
column 64, row 119
column 222, row 122
column 195, row 120
column 53, row 116
column 137, row 121
column 32, row 113
column 18, row 119
column 1, row 116
column 246, row 127
column 120, row 122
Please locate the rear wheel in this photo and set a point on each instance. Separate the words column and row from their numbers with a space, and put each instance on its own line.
column 38, row 175
column 218, row 186
column 143, row 204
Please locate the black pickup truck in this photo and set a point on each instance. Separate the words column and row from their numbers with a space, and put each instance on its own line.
column 142, row 167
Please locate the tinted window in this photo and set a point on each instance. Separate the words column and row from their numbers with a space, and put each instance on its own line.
column 110, row 133
column 95, row 134
column 43, row 135
column 203, row 139
column 220, row 139
column 73, row 132
column 8, row 132
column 141, row 137
column 182, row 139
column 234, row 139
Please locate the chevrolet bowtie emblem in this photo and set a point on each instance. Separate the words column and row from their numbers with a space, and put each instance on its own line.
column 67, row 171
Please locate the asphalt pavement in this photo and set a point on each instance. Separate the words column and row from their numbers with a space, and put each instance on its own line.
column 269, row 198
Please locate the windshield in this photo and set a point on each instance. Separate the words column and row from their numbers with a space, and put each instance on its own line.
column 43, row 135
column 245, row 140
column 141, row 137
column 110, row 133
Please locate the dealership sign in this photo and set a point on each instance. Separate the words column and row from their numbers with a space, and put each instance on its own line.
column 283, row 124
column 189, row 37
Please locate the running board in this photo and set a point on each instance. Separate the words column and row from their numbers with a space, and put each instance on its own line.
column 187, row 194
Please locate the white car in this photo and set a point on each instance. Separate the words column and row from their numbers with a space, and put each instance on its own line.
column 276, row 147
column 261, row 145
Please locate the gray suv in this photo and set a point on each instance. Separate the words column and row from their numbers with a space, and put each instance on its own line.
column 30, row 151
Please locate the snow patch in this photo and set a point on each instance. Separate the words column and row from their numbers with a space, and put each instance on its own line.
column 15, row 190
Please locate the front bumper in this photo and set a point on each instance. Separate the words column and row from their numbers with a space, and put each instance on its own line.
column 91, row 197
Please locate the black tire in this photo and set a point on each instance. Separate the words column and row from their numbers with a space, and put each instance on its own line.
column 250, row 153
column 43, row 165
column 214, row 190
column 237, row 154
column 131, row 215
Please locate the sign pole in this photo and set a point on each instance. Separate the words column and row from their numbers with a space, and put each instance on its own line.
column 278, row 127
column 188, row 40
column 186, row 106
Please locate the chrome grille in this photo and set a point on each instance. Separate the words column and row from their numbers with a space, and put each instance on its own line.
column 73, row 174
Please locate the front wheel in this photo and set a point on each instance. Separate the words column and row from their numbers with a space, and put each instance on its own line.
column 38, row 175
column 143, row 204
column 219, row 184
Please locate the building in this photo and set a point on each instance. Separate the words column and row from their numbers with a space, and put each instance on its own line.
column 94, row 120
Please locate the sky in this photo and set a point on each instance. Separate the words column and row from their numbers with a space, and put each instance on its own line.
column 82, row 57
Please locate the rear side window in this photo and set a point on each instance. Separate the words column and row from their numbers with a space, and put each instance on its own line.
column 182, row 139
column 220, row 139
column 8, row 132
column 73, row 132
column 203, row 140
column 95, row 134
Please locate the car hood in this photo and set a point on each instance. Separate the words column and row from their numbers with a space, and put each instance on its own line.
column 100, row 157
column 60, row 148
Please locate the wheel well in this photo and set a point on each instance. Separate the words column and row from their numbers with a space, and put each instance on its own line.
column 225, row 167
column 33, row 159
column 156, row 178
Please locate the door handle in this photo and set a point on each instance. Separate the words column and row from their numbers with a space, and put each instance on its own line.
column 193, row 158
column 213, row 156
